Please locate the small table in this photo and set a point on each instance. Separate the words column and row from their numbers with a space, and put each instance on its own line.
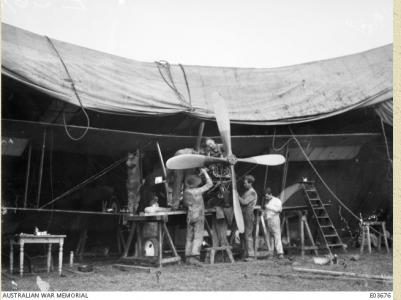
column 22, row 239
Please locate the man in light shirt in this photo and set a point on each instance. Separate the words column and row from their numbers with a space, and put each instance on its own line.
column 272, row 209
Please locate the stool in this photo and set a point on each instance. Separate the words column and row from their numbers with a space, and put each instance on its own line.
column 366, row 235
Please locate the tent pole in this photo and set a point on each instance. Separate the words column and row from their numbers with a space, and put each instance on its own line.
column 199, row 138
column 265, row 182
column 161, row 159
column 164, row 173
column 28, row 172
column 42, row 158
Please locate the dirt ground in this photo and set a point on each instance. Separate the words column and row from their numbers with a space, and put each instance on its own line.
column 261, row 275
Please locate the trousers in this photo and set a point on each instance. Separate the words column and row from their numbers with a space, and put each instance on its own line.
column 194, row 238
column 247, row 236
column 274, row 228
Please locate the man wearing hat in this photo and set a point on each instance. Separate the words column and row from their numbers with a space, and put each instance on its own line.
column 193, row 200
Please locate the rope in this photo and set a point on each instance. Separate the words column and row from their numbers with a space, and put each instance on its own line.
column 320, row 177
column 347, row 227
column 87, row 181
column 186, row 84
column 76, row 95
column 282, row 146
column 164, row 65
column 325, row 184
column 246, row 173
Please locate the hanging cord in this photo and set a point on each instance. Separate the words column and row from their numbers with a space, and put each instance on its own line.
column 186, row 84
column 325, row 184
column 166, row 67
column 386, row 142
column 76, row 95
column 87, row 181
column 282, row 146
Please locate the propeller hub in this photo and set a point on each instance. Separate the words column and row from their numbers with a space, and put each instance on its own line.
column 232, row 159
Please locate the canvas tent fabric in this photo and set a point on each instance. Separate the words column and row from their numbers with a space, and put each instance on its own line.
column 259, row 96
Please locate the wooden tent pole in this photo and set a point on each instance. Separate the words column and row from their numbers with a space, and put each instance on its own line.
column 28, row 172
column 199, row 138
column 161, row 160
column 42, row 158
column 168, row 199
column 337, row 273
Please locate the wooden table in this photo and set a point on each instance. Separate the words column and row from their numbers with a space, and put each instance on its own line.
column 161, row 219
column 22, row 239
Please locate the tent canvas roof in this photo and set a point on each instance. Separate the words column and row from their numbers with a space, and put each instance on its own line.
column 113, row 84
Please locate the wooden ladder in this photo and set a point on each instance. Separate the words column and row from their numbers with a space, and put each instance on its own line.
column 326, row 228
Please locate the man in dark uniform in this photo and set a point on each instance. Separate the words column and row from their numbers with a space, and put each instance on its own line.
column 193, row 200
column 248, row 201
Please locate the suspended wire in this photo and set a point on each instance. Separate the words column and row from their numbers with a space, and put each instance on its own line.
column 247, row 172
column 87, row 181
column 164, row 65
column 282, row 146
column 76, row 95
column 347, row 227
column 325, row 184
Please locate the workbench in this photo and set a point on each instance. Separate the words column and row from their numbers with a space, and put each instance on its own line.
column 162, row 218
column 24, row 238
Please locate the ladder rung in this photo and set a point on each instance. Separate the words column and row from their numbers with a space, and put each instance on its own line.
column 326, row 226
column 336, row 245
column 318, row 207
column 311, row 247
column 323, row 217
column 330, row 235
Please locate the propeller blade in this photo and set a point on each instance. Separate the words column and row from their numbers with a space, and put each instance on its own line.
column 189, row 161
column 239, row 219
column 223, row 120
column 267, row 159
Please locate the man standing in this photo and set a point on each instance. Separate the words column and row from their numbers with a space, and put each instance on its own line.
column 248, row 201
column 272, row 209
column 193, row 200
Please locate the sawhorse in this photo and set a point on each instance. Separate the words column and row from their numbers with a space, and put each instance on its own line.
column 366, row 235
column 217, row 245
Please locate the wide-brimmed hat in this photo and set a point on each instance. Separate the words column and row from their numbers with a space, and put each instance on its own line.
column 193, row 181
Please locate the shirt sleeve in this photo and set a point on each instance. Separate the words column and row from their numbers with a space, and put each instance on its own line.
column 274, row 205
column 248, row 198
column 205, row 187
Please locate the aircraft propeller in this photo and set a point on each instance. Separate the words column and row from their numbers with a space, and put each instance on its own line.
column 189, row 161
